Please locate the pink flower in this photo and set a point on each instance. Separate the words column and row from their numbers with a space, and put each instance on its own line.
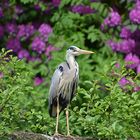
column 136, row 88
column 11, row 28
column 45, row 30
column 132, row 61
column 13, row 44
column 1, row 74
column 1, row 31
column 82, row 9
column 1, row 12
column 113, row 20
column 49, row 49
column 123, row 82
column 138, row 69
column 125, row 33
column 134, row 14
column 38, row 45
column 23, row 54
column 38, row 81
column 56, row 3
column 117, row 65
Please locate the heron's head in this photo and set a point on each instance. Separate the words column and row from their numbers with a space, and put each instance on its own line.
column 75, row 51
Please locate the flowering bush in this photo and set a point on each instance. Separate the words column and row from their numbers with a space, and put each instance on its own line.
column 128, row 42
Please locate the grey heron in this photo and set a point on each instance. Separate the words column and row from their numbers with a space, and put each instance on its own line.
column 64, row 84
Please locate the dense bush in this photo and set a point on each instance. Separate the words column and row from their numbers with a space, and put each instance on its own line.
column 107, row 102
column 102, row 108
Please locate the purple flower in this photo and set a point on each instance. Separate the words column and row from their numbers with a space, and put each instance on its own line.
column 138, row 69
column 38, row 45
column 49, row 49
column 82, row 9
column 93, row 0
column 23, row 54
column 13, row 44
column 125, row 33
column 11, row 28
column 136, row 35
column 1, row 74
column 45, row 30
column 113, row 45
column 137, row 48
column 18, row 9
column 125, row 46
column 123, row 82
column 136, row 88
column 29, row 30
column 25, row 30
column 117, row 65
column 56, row 3
column 21, row 31
column 1, row 31
column 33, row 59
column 38, row 81
column 1, row 12
column 48, row 10
column 113, row 20
column 134, row 14
column 37, row 7
column 132, row 61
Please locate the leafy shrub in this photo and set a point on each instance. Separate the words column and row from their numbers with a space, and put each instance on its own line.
column 102, row 108
column 107, row 110
column 18, row 95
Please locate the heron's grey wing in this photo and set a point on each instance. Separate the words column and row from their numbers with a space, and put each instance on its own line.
column 54, row 88
column 63, row 85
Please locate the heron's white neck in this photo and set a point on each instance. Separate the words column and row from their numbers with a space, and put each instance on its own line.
column 70, row 60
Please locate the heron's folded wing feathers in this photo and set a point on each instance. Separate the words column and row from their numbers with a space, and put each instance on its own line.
column 63, row 85
column 54, row 88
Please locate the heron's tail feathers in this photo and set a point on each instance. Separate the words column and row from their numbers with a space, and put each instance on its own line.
column 53, row 110
column 53, row 105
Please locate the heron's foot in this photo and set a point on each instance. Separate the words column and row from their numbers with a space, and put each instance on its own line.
column 57, row 134
column 68, row 133
column 70, row 136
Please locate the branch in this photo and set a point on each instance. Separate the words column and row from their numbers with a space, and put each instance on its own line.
column 37, row 136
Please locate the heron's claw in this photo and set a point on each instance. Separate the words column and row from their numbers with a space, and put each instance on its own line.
column 57, row 134
column 70, row 136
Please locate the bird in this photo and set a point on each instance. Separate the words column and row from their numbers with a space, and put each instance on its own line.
column 63, row 86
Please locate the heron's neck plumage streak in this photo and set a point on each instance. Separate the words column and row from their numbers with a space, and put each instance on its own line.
column 70, row 60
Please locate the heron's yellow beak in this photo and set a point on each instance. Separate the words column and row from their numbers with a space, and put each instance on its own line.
column 85, row 52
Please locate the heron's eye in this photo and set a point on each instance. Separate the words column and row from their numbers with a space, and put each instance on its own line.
column 71, row 48
column 61, row 68
column 74, row 50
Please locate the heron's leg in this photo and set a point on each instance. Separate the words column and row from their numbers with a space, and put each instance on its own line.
column 57, row 117
column 67, row 121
